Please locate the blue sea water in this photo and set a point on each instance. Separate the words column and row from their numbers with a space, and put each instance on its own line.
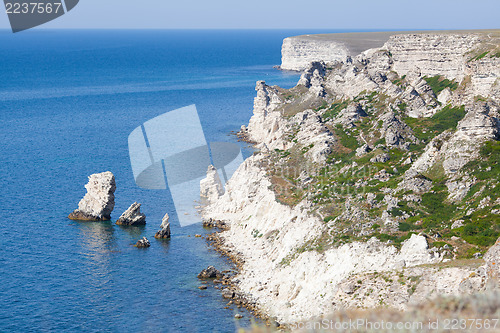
column 68, row 101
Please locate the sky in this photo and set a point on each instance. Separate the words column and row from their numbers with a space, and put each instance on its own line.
column 279, row 14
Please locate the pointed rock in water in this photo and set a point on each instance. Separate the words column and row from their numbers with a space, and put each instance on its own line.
column 99, row 201
column 164, row 231
column 144, row 242
column 132, row 216
column 211, row 187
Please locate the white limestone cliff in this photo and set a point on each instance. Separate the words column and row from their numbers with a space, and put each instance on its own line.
column 298, row 52
column 211, row 187
column 268, row 234
column 432, row 53
column 283, row 270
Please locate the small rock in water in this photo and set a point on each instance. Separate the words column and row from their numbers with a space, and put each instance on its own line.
column 164, row 231
column 132, row 216
column 203, row 287
column 143, row 242
column 209, row 273
column 99, row 201
column 226, row 293
column 238, row 316
column 197, row 235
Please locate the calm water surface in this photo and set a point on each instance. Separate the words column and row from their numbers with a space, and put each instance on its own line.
column 68, row 101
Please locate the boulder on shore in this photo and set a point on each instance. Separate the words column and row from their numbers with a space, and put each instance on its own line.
column 99, row 201
column 210, row 273
column 144, row 242
column 164, row 231
column 132, row 216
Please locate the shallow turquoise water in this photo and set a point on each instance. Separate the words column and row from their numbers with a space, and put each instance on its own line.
column 68, row 101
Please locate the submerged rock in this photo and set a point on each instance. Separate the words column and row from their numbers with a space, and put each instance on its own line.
column 210, row 273
column 132, row 216
column 99, row 201
column 143, row 242
column 164, row 231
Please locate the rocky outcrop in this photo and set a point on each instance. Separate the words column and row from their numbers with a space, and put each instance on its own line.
column 340, row 159
column 454, row 150
column 144, row 242
column 380, row 158
column 396, row 132
column 209, row 273
column 211, row 187
column 478, row 123
column 350, row 115
column 485, row 74
column 291, row 291
column 312, row 78
column 313, row 134
column 266, row 125
column 132, row 216
column 99, row 201
column 432, row 53
column 164, row 231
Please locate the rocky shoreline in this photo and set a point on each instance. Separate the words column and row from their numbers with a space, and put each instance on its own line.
column 344, row 203
column 230, row 283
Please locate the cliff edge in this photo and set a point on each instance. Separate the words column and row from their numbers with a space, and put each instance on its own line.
column 375, row 182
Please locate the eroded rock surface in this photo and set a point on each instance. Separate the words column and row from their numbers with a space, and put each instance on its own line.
column 211, row 187
column 355, row 172
column 144, row 242
column 164, row 231
column 132, row 216
column 99, row 201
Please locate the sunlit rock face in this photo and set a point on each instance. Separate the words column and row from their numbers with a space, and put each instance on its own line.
column 99, row 201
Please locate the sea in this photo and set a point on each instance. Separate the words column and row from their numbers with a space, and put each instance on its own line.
column 68, row 101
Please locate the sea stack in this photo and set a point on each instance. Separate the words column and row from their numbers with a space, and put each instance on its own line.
column 164, row 231
column 144, row 242
column 211, row 187
column 99, row 201
column 132, row 216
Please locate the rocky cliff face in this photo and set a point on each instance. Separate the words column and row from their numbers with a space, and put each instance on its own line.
column 211, row 187
column 273, row 239
column 368, row 166
column 432, row 54
column 298, row 52
column 99, row 201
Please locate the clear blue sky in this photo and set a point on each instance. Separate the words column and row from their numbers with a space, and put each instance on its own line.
column 281, row 14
